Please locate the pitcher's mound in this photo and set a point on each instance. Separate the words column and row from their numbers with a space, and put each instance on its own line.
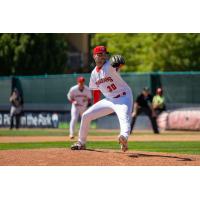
column 93, row 157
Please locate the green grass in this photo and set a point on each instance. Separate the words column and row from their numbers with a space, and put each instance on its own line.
column 65, row 125
column 65, row 132
column 185, row 147
column 168, row 147
column 48, row 132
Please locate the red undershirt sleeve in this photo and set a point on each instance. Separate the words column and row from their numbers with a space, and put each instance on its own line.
column 96, row 96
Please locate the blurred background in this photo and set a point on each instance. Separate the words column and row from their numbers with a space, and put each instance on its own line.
column 44, row 66
column 38, row 54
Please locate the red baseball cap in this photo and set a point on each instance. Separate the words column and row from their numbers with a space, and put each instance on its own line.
column 80, row 79
column 99, row 49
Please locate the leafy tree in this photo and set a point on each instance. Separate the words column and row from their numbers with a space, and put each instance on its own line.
column 27, row 54
column 154, row 52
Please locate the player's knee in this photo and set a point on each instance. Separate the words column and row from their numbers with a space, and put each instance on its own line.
column 86, row 116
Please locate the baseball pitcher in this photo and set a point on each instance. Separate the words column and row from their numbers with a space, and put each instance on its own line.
column 105, row 78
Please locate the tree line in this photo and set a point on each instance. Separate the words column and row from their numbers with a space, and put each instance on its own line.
column 147, row 52
column 32, row 54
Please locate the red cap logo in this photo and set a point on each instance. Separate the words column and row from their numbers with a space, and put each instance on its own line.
column 80, row 79
column 99, row 49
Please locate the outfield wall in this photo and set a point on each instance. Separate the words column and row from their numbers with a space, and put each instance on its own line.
column 47, row 94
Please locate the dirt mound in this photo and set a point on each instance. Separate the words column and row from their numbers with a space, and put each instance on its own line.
column 93, row 157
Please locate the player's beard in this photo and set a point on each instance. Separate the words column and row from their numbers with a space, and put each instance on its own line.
column 100, row 61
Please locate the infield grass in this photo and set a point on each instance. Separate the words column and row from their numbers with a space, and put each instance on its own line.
column 165, row 147
column 49, row 132
column 92, row 132
column 185, row 147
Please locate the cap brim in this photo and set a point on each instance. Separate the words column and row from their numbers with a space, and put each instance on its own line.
column 101, row 52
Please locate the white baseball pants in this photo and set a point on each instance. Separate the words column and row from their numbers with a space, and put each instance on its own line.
column 75, row 112
column 122, row 106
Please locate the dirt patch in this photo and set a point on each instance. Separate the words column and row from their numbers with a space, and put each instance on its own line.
column 93, row 157
column 13, row 139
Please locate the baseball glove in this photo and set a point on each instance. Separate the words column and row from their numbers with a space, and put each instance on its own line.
column 116, row 61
